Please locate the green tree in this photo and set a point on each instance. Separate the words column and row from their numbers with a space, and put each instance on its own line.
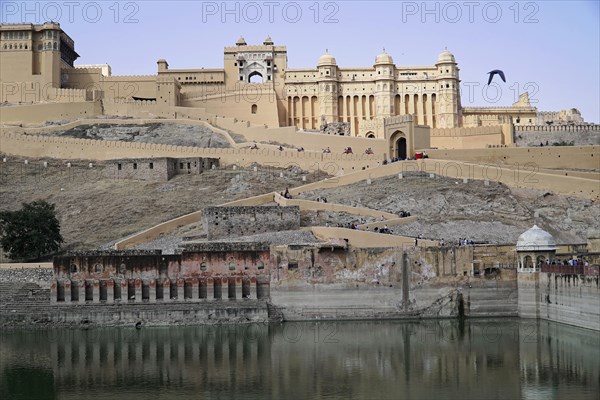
column 31, row 232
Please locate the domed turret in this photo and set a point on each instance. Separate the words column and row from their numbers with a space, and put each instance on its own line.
column 384, row 58
column 536, row 239
column 446, row 57
column 268, row 41
column 326, row 59
column 241, row 41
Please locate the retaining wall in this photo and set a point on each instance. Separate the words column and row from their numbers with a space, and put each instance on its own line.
column 570, row 299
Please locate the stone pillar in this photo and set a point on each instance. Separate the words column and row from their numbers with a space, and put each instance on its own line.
column 96, row 291
column 152, row 290
column 124, row 290
column 67, row 288
column 110, row 291
column 210, row 289
column 81, row 289
column 166, row 289
column 249, row 287
column 137, row 284
column 238, row 288
column 180, row 289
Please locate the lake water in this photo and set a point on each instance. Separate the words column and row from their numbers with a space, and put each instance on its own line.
column 445, row 359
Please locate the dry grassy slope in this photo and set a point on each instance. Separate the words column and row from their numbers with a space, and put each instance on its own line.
column 95, row 210
column 451, row 209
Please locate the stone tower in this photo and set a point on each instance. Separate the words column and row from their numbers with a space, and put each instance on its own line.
column 448, row 98
column 384, row 85
column 327, row 74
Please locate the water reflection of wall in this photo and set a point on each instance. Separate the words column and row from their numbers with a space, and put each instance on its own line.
column 393, row 359
column 558, row 361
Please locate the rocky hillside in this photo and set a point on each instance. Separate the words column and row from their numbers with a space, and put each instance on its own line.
column 162, row 133
column 94, row 210
column 450, row 209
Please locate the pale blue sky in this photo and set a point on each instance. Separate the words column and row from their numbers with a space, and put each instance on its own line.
column 552, row 47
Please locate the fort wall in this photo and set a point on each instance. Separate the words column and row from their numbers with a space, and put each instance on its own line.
column 570, row 299
column 554, row 157
column 231, row 221
column 577, row 135
column 40, row 113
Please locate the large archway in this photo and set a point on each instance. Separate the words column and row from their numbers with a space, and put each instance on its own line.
column 401, row 148
column 255, row 77
column 398, row 145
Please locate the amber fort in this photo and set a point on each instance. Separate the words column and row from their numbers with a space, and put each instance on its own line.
column 332, row 242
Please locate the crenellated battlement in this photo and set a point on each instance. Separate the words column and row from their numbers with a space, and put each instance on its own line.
column 557, row 128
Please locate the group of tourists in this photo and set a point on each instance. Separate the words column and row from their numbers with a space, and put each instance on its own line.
column 465, row 242
column 571, row 262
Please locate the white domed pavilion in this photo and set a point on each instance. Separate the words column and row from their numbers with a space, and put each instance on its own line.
column 534, row 247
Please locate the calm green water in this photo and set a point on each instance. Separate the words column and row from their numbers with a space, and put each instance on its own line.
column 481, row 359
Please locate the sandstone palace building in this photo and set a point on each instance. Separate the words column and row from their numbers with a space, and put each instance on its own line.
column 257, row 86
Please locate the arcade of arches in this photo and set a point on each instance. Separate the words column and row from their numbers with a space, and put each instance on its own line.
column 302, row 110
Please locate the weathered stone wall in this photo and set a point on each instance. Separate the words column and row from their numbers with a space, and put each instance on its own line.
column 226, row 222
column 226, row 270
column 147, row 169
column 331, row 282
column 157, row 169
column 570, row 299
column 492, row 297
column 583, row 135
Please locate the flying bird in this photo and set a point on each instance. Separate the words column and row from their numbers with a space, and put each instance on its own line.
column 494, row 72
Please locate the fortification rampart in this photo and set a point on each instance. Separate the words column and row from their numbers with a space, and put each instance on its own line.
column 557, row 128
column 319, row 206
column 562, row 135
column 41, row 113
column 552, row 157
column 473, row 137
column 70, row 148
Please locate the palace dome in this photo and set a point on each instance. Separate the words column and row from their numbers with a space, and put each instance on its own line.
column 268, row 41
column 446, row 57
column 327, row 59
column 384, row 58
column 536, row 239
column 241, row 41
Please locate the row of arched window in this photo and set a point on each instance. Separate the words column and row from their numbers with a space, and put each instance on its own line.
column 40, row 47
column 14, row 46
column 15, row 35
